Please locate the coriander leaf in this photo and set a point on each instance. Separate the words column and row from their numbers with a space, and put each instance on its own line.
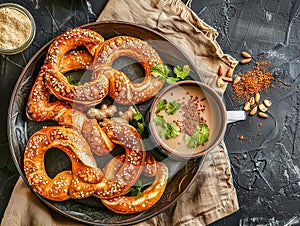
column 159, row 120
column 182, row 73
column 160, row 71
column 138, row 116
column 172, row 80
column 162, row 133
column 190, row 142
column 135, row 190
column 199, row 137
column 175, row 130
column 141, row 123
column 72, row 81
column 161, row 105
column 141, row 127
column 173, row 107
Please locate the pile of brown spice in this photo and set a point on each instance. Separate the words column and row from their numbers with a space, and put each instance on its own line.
column 192, row 115
column 253, row 81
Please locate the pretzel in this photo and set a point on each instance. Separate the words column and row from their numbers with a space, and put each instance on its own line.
column 133, row 204
column 85, row 178
column 126, row 136
column 84, row 166
column 121, row 88
column 90, row 93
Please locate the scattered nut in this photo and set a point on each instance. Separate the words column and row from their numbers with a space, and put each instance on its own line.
column 253, row 111
column 247, row 106
column 246, row 55
column 241, row 137
column 252, row 101
column 236, row 80
column 221, row 71
column 262, row 115
column 220, row 82
column 268, row 103
column 245, row 61
column 226, row 79
column 257, row 97
column 262, row 107
column 229, row 73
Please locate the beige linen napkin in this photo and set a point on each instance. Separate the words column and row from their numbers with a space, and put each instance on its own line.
column 212, row 195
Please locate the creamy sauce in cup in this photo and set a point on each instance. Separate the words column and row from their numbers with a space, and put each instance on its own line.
column 195, row 108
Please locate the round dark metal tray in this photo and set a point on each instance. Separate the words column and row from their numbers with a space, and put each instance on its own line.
column 91, row 210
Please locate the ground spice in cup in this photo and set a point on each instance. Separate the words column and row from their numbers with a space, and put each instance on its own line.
column 192, row 115
column 15, row 28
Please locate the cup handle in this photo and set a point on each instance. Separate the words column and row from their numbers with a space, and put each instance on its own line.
column 234, row 116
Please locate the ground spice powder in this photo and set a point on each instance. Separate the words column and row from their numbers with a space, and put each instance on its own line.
column 253, row 81
column 15, row 28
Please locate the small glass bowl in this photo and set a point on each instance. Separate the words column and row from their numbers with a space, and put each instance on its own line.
column 22, row 47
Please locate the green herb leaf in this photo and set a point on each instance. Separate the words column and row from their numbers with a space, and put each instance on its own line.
column 173, row 107
column 199, row 137
column 159, row 120
column 160, row 71
column 174, row 130
column 161, row 105
column 138, row 116
column 172, row 80
column 135, row 190
column 141, row 123
column 182, row 73
column 141, row 127
column 169, row 130
column 72, row 81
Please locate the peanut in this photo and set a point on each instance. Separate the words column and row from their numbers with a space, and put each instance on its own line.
column 236, row 80
column 226, row 79
column 268, row 103
column 246, row 55
column 253, row 111
column 245, row 61
column 229, row 73
column 220, row 71
column 220, row 82
column 247, row 106
column 262, row 115
column 262, row 107
column 257, row 97
column 252, row 101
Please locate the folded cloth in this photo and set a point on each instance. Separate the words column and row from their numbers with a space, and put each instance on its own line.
column 212, row 195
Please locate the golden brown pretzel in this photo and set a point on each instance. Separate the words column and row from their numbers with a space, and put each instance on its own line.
column 85, row 178
column 133, row 204
column 75, row 60
column 90, row 93
column 39, row 107
column 126, row 136
column 121, row 88
column 84, row 167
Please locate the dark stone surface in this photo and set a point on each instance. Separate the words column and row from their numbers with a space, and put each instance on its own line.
column 265, row 166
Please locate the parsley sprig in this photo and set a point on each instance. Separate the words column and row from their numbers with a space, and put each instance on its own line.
column 199, row 137
column 141, row 122
column 71, row 80
column 170, row 108
column 162, row 72
column 135, row 190
column 168, row 130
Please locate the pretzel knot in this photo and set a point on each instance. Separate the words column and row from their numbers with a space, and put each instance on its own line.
column 85, row 178
column 121, row 88
column 134, row 204
column 90, row 93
